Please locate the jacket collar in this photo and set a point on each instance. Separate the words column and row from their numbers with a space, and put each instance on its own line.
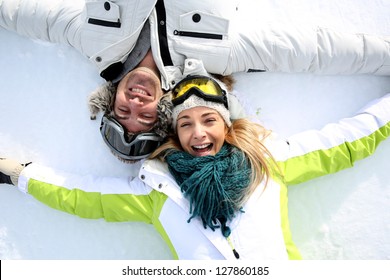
column 156, row 174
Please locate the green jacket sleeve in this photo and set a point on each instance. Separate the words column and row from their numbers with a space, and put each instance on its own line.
column 114, row 199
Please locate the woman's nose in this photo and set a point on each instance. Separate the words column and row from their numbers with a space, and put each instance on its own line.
column 199, row 132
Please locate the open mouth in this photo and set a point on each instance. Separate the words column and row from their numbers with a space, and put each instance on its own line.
column 202, row 148
column 142, row 94
column 140, row 91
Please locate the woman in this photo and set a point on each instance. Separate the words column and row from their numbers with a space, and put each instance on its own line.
column 213, row 191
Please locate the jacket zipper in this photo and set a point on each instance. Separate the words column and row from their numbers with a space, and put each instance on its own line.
column 162, row 33
column 105, row 23
column 198, row 35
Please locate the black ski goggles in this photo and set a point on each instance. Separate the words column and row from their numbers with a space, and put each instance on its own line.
column 137, row 147
column 204, row 87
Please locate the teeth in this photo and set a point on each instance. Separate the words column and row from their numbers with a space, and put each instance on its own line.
column 139, row 91
column 201, row 146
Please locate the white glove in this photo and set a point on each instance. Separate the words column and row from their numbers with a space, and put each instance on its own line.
column 10, row 169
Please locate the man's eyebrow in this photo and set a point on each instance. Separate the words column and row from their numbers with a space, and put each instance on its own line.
column 116, row 116
column 146, row 122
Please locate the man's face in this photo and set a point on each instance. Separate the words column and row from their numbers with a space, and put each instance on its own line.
column 136, row 99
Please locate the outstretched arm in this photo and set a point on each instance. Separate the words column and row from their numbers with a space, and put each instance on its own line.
column 88, row 196
column 49, row 20
column 337, row 146
column 289, row 48
column 103, row 31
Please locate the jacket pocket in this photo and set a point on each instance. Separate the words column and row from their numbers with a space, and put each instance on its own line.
column 199, row 24
column 103, row 14
column 204, row 37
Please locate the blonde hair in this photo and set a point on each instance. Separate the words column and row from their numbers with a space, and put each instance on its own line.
column 248, row 137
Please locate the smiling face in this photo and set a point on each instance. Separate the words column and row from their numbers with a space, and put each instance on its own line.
column 136, row 99
column 201, row 131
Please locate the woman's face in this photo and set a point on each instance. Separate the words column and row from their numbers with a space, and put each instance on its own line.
column 201, row 131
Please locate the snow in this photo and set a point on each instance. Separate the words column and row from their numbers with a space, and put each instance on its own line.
column 44, row 118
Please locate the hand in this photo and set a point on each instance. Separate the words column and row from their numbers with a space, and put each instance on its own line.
column 10, row 170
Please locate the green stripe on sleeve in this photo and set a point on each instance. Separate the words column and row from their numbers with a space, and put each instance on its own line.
column 322, row 162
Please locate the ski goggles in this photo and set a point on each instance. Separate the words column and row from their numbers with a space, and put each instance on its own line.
column 136, row 147
column 204, row 87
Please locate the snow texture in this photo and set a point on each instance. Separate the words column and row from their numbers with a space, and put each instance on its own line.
column 44, row 118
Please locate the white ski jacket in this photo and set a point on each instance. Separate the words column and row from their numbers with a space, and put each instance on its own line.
column 214, row 32
column 260, row 232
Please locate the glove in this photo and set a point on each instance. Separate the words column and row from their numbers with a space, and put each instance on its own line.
column 10, row 170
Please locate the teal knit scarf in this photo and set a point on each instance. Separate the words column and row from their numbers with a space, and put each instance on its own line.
column 214, row 185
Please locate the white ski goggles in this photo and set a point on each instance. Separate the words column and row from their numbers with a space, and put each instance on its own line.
column 137, row 147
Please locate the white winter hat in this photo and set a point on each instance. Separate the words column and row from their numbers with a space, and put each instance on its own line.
column 195, row 101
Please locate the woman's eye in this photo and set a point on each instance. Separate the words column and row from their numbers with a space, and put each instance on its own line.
column 210, row 120
column 184, row 124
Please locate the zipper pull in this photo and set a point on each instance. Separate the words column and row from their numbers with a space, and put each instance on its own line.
column 236, row 254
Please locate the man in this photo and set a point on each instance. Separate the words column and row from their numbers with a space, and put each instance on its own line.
column 136, row 118
column 117, row 35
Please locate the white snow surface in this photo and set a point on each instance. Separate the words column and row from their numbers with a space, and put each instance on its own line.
column 44, row 118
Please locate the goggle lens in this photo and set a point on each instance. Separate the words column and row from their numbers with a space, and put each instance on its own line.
column 203, row 86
